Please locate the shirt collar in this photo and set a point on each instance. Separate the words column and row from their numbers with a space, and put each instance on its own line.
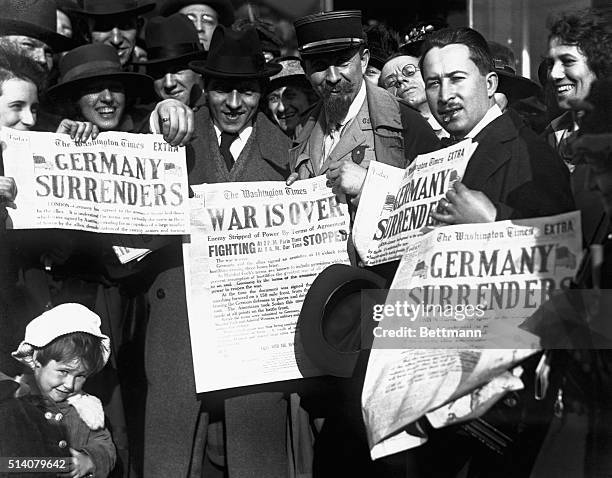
column 356, row 105
column 492, row 114
column 242, row 136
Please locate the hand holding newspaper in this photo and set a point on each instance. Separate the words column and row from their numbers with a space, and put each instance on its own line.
column 395, row 204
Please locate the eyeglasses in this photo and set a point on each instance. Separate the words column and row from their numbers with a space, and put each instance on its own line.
column 394, row 81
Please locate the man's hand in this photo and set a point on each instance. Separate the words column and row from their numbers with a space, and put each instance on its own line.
column 174, row 120
column 464, row 206
column 80, row 465
column 293, row 177
column 8, row 192
column 346, row 177
column 78, row 130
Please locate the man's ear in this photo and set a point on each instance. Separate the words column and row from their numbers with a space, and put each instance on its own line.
column 365, row 59
column 492, row 81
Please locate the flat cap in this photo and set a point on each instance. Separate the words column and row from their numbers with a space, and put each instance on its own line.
column 329, row 31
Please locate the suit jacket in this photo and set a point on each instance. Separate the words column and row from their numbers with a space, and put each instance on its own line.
column 518, row 171
column 400, row 134
column 175, row 432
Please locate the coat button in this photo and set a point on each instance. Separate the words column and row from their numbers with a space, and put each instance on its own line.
column 161, row 293
column 511, row 402
column 58, row 417
column 48, row 415
column 62, row 444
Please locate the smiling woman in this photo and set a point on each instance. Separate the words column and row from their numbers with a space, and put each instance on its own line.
column 91, row 79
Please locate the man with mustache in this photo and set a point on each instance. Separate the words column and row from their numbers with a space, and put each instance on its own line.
column 355, row 122
column 513, row 173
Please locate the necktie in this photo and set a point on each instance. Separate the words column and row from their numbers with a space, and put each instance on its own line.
column 449, row 141
column 226, row 141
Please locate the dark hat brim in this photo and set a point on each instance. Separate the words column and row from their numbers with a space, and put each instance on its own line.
column 187, row 57
column 331, row 287
column 140, row 9
column 136, row 84
column 201, row 67
column 53, row 39
column 516, row 87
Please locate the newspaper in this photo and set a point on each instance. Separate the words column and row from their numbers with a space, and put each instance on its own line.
column 254, row 250
column 490, row 278
column 395, row 204
column 119, row 183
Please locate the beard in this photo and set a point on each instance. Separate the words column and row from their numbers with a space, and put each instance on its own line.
column 337, row 100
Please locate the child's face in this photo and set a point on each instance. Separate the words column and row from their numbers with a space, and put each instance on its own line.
column 60, row 380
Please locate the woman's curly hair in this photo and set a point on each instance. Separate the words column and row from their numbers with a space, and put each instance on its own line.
column 590, row 31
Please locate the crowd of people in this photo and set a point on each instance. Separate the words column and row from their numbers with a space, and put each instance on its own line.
column 95, row 356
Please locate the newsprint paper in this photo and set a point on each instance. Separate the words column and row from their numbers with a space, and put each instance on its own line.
column 118, row 183
column 254, row 250
column 395, row 204
column 486, row 280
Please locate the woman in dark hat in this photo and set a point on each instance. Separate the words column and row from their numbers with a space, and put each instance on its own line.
column 94, row 85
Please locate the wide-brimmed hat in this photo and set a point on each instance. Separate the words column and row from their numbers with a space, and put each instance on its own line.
column 95, row 8
column 235, row 54
column 171, row 39
column 93, row 62
column 292, row 73
column 330, row 322
column 33, row 18
column 329, row 31
column 61, row 320
column 224, row 8
column 513, row 85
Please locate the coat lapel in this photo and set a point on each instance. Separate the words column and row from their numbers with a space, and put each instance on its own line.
column 351, row 138
column 494, row 149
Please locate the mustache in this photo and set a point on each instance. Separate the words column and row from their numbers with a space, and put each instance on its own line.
column 342, row 88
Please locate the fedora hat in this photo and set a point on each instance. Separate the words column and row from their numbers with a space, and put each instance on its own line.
column 33, row 18
column 514, row 86
column 224, row 8
column 93, row 62
column 171, row 39
column 330, row 321
column 329, row 31
column 235, row 54
column 94, row 8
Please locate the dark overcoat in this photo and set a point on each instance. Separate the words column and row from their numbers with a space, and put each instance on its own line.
column 174, row 427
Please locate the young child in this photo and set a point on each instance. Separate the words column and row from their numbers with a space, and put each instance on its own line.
column 63, row 347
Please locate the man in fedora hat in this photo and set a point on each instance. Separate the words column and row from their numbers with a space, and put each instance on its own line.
column 115, row 23
column 30, row 27
column 233, row 142
column 172, row 43
column 205, row 15
column 355, row 121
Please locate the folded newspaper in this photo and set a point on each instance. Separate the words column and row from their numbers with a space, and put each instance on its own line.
column 448, row 333
column 395, row 204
